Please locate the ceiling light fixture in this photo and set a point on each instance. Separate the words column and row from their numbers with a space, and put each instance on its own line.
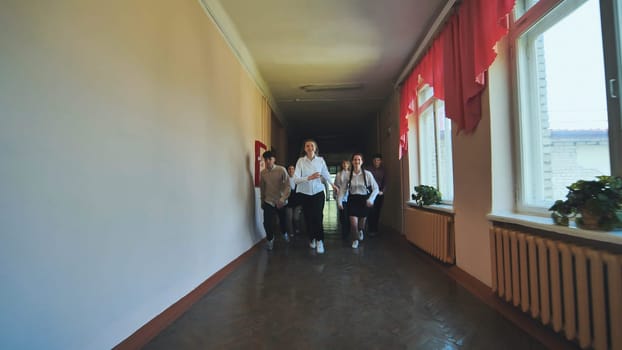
column 316, row 100
column 331, row 87
column 333, row 99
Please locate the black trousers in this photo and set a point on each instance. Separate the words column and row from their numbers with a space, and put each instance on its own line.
column 270, row 214
column 313, row 211
column 344, row 221
column 374, row 215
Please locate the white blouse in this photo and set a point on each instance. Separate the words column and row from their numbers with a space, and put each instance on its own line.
column 357, row 185
column 341, row 180
column 306, row 167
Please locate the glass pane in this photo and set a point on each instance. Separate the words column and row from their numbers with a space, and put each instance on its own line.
column 445, row 165
column 413, row 158
column 425, row 93
column 427, row 150
column 523, row 5
column 564, row 128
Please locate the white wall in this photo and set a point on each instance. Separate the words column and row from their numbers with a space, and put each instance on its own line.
column 126, row 140
column 473, row 198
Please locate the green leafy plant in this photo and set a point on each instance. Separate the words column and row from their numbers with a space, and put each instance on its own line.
column 595, row 204
column 426, row 195
column 562, row 212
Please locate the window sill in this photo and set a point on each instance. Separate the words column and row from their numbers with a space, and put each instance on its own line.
column 435, row 207
column 546, row 224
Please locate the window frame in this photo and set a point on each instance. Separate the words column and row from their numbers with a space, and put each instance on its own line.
column 538, row 18
column 431, row 102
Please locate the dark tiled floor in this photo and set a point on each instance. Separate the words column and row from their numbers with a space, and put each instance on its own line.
column 381, row 296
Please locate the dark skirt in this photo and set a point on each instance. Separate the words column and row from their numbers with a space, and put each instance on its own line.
column 357, row 205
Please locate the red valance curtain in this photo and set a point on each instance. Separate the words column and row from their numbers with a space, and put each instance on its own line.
column 408, row 95
column 456, row 63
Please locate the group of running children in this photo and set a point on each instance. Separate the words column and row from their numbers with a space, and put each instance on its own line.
column 359, row 194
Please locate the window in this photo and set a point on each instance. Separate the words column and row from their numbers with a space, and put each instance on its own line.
column 523, row 5
column 433, row 140
column 565, row 111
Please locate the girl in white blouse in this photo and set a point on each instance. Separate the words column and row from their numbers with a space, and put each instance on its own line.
column 311, row 170
column 361, row 190
column 341, row 179
column 293, row 209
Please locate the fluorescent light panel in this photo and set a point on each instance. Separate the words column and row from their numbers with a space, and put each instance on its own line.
column 331, row 87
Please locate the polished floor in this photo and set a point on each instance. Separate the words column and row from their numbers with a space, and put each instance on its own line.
column 379, row 296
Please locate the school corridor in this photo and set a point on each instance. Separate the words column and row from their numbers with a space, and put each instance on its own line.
column 131, row 143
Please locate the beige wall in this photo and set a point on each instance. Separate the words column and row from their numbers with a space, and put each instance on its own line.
column 388, row 139
column 126, row 141
column 278, row 140
column 472, row 198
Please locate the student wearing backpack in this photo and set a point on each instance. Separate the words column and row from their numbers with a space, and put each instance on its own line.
column 361, row 190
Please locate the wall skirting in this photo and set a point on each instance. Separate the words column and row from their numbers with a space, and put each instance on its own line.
column 151, row 329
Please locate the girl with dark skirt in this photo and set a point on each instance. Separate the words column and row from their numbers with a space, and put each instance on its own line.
column 361, row 190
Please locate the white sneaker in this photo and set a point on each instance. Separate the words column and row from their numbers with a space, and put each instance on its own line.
column 286, row 237
column 355, row 244
column 312, row 244
column 361, row 236
column 320, row 247
column 270, row 244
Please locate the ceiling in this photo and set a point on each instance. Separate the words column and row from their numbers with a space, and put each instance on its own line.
column 327, row 66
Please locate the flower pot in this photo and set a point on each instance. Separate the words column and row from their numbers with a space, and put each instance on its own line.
column 589, row 221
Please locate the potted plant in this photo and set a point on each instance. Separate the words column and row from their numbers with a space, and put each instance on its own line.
column 562, row 212
column 426, row 195
column 594, row 204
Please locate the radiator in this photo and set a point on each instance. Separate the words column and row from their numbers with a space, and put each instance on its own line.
column 432, row 232
column 574, row 289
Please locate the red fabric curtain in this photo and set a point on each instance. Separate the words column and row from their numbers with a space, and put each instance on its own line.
column 408, row 94
column 470, row 50
column 430, row 69
column 427, row 71
column 456, row 63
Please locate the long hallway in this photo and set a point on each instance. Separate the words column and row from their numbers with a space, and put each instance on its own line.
column 381, row 296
